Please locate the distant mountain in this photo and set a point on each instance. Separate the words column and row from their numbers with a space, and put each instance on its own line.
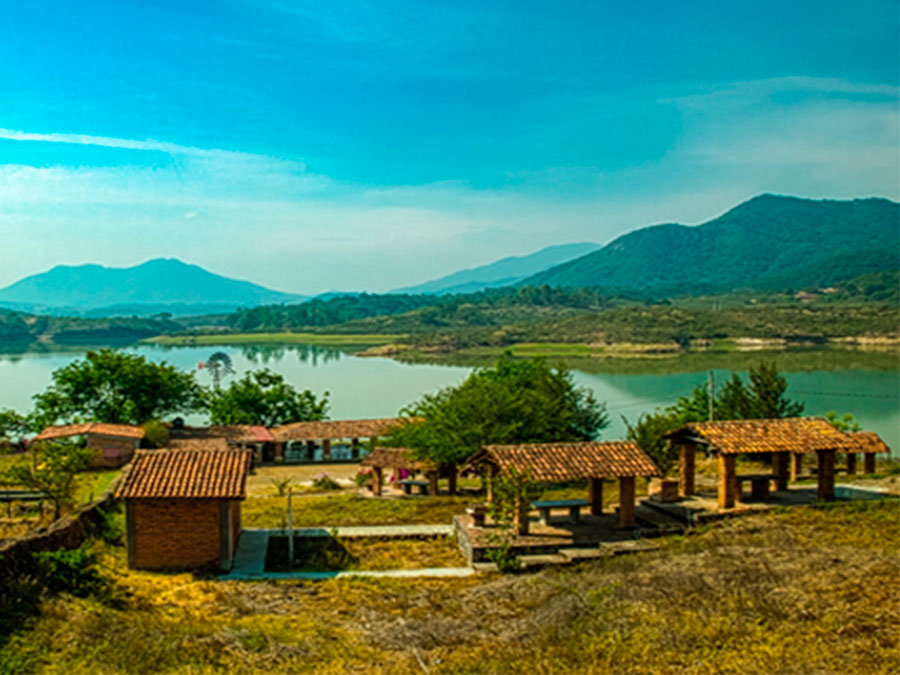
column 503, row 272
column 768, row 242
column 154, row 287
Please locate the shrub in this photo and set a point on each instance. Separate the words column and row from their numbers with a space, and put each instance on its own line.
column 69, row 571
column 281, row 486
column 156, row 434
column 363, row 477
column 323, row 481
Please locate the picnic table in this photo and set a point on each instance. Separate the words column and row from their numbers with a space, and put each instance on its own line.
column 574, row 506
column 409, row 483
column 759, row 484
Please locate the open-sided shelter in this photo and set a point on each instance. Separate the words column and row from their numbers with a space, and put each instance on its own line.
column 113, row 444
column 183, row 507
column 779, row 437
column 399, row 458
column 323, row 434
column 595, row 461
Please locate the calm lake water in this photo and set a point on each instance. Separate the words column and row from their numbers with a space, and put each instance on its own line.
column 379, row 387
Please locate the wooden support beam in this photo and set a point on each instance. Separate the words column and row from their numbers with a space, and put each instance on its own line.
column 432, row 483
column 796, row 465
column 595, row 495
column 626, row 501
column 279, row 452
column 782, row 469
column 492, row 472
column 826, row 474
column 687, row 467
column 520, row 517
column 727, row 481
column 354, row 448
column 851, row 463
column 326, row 449
column 869, row 462
column 377, row 480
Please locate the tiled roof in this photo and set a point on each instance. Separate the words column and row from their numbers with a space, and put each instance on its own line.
column 179, row 474
column 791, row 434
column 566, row 461
column 198, row 444
column 236, row 433
column 869, row 441
column 67, row 430
column 313, row 431
column 397, row 458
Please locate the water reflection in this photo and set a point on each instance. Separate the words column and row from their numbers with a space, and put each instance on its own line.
column 314, row 355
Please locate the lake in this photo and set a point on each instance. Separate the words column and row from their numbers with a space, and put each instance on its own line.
column 866, row 385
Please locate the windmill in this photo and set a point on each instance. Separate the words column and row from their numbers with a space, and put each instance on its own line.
column 219, row 365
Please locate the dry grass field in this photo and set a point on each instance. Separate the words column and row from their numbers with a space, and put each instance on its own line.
column 801, row 590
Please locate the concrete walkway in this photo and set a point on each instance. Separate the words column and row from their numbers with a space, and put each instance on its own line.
column 250, row 557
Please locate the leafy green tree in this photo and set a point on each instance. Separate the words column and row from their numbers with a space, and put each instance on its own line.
column 116, row 387
column 513, row 402
column 648, row 434
column 12, row 424
column 844, row 422
column 734, row 401
column 263, row 397
column 767, row 394
column 52, row 469
column 156, row 434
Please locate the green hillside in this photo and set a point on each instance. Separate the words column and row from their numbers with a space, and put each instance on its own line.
column 768, row 242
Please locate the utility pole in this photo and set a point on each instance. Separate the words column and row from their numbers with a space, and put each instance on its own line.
column 712, row 395
column 290, row 528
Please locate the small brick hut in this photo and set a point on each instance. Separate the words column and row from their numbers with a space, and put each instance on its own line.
column 183, row 507
column 113, row 444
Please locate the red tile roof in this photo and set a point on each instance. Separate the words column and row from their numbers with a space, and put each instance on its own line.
column 397, row 458
column 567, row 461
column 67, row 430
column 791, row 434
column 181, row 474
column 869, row 441
column 314, row 431
column 236, row 433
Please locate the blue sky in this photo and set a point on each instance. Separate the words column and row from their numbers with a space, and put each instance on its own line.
column 358, row 145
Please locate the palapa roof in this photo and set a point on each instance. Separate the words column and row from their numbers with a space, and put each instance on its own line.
column 68, row 430
column 397, row 458
column 567, row 461
column 789, row 434
column 314, row 431
column 183, row 474
column 868, row 441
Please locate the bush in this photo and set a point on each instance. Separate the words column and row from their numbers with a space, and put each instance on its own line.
column 69, row 571
column 323, row 481
column 156, row 434
column 363, row 477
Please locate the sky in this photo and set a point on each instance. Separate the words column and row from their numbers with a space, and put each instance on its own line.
column 354, row 145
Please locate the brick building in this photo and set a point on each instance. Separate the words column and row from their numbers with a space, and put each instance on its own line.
column 183, row 507
column 114, row 444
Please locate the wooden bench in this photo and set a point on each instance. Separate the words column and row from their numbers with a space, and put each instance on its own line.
column 409, row 483
column 759, row 485
column 574, row 506
column 21, row 496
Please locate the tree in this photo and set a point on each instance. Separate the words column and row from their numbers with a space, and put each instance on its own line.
column 734, row 402
column 116, row 387
column 13, row 424
column 845, row 422
column 52, row 469
column 767, row 394
column 648, row 434
column 513, row 402
column 219, row 365
column 263, row 397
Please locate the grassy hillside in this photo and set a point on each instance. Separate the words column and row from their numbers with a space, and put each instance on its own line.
column 768, row 242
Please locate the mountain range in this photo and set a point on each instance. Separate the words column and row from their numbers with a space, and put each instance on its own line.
column 505, row 272
column 154, row 287
column 768, row 242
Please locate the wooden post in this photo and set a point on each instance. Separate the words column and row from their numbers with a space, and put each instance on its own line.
column 376, row 480
column 354, row 448
column 326, row 449
column 687, row 467
column 451, row 479
column 851, row 463
column 797, row 465
column 782, row 470
column 626, row 501
column 290, row 526
column 869, row 462
column 727, row 481
column 279, row 452
column 826, row 475
column 492, row 474
column 595, row 490
column 520, row 516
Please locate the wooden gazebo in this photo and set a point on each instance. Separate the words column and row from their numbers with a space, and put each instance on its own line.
column 399, row 458
column 551, row 462
column 782, row 438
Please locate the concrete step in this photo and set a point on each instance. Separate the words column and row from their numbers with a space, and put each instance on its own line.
column 485, row 567
column 542, row 560
column 630, row 546
column 576, row 554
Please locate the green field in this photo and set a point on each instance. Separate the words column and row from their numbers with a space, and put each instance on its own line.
column 282, row 338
